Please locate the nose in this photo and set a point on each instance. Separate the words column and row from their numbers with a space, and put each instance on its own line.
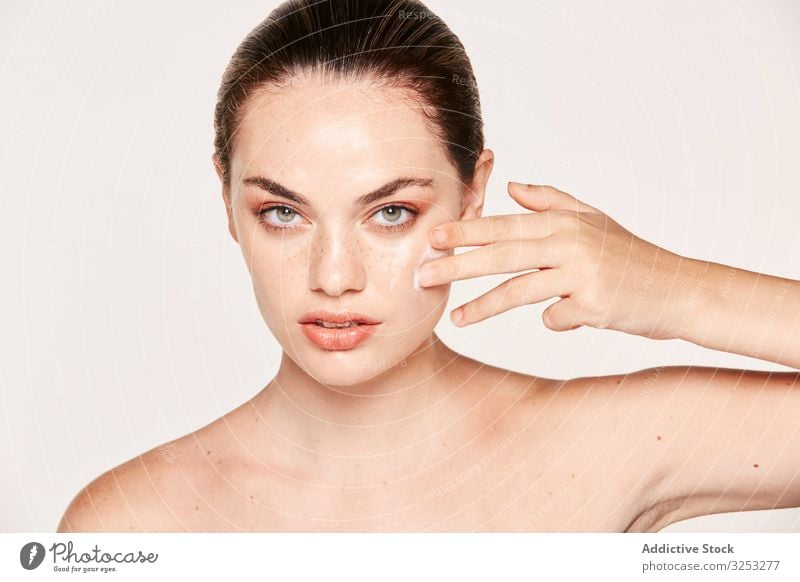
column 335, row 262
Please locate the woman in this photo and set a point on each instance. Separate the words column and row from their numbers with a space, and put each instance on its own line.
column 347, row 131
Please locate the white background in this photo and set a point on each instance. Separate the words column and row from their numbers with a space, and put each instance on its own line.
column 126, row 312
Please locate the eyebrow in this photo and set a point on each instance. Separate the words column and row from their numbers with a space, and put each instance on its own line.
column 383, row 192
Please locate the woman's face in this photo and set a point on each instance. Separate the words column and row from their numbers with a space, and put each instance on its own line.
column 333, row 191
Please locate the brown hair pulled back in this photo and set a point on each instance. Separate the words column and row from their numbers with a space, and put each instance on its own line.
column 397, row 42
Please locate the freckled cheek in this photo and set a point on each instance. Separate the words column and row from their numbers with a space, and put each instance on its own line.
column 390, row 284
column 391, row 269
column 386, row 266
column 280, row 273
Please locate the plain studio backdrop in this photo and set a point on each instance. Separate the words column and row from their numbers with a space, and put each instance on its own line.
column 128, row 316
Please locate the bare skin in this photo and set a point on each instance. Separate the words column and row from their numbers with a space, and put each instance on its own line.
column 511, row 456
column 524, row 460
column 444, row 442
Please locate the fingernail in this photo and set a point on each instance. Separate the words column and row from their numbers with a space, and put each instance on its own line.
column 525, row 186
column 438, row 236
column 457, row 315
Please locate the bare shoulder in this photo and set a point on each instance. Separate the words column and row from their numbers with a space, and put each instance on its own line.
column 587, row 404
column 145, row 493
column 649, row 419
column 597, row 438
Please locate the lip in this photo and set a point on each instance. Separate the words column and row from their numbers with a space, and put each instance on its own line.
column 341, row 317
column 334, row 339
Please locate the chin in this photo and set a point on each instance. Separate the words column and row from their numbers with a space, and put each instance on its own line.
column 347, row 367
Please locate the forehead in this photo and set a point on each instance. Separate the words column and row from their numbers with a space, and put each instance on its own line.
column 348, row 133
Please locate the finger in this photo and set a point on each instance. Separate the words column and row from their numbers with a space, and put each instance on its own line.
column 539, row 197
column 563, row 315
column 502, row 257
column 520, row 290
column 498, row 228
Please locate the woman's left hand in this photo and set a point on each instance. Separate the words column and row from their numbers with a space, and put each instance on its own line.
column 606, row 277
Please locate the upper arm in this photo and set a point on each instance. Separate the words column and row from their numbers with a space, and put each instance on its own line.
column 123, row 499
column 725, row 439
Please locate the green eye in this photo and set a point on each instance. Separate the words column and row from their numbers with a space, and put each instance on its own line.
column 282, row 215
column 285, row 214
column 393, row 216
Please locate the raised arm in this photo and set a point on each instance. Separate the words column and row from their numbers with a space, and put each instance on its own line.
column 716, row 440
column 739, row 311
column 608, row 278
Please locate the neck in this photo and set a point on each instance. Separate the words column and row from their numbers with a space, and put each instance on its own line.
column 397, row 415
